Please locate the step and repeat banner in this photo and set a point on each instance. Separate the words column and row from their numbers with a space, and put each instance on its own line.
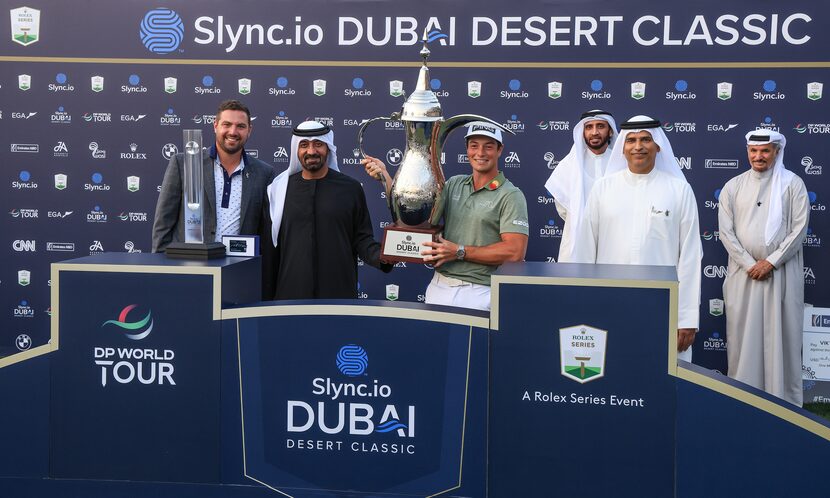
column 94, row 96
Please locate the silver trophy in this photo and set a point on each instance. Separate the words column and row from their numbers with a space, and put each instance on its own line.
column 193, row 187
column 419, row 180
column 193, row 191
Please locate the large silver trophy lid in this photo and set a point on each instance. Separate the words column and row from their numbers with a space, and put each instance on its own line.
column 419, row 179
column 422, row 104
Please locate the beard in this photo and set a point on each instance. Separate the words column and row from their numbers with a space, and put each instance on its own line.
column 316, row 163
column 601, row 145
column 231, row 149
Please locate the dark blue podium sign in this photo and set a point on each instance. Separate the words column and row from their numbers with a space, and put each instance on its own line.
column 164, row 374
column 581, row 400
column 135, row 379
column 365, row 399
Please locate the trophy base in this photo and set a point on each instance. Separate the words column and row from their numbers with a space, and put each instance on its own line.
column 406, row 243
column 183, row 250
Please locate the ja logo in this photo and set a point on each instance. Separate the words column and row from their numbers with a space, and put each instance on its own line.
column 162, row 31
column 582, row 353
column 133, row 330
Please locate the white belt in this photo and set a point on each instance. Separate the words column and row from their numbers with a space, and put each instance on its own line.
column 449, row 281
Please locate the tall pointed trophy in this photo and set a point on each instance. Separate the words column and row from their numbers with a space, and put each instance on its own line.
column 419, row 179
column 193, row 191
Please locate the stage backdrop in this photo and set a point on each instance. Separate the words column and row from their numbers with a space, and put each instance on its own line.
column 94, row 96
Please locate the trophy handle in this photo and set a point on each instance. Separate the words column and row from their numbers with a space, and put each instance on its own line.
column 395, row 116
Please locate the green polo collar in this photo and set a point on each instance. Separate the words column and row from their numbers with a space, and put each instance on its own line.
column 495, row 183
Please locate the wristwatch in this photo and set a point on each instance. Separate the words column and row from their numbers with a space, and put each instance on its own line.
column 460, row 253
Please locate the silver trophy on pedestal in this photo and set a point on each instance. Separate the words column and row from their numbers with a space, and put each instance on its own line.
column 193, row 191
column 419, row 180
column 193, row 187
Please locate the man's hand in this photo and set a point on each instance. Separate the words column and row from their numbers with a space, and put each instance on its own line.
column 374, row 167
column 440, row 252
column 760, row 270
column 685, row 338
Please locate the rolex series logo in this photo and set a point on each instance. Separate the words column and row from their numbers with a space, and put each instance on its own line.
column 582, row 352
column 25, row 25
column 554, row 89
column 638, row 90
column 474, row 89
column 724, row 90
column 244, row 86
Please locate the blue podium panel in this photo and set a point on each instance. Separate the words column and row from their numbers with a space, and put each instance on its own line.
column 364, row 404
column 24, row 389
column 735, row 440
column 581, row 400
column 135, row 379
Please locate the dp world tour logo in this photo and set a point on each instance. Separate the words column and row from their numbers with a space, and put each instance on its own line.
column 582, row 353
column 142, row 327
column 162, row 31
column 352, row 360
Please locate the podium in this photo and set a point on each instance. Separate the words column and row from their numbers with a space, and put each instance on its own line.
column 135, row 379
column 171, row 378
column 579, row 380
column 370, row 397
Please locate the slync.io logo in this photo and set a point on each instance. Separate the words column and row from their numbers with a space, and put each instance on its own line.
column 162, row 31
column 352, row 360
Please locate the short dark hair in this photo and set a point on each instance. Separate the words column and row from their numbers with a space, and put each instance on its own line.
column 233, row 105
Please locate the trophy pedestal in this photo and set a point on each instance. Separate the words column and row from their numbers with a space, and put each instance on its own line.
column 184, row 250
column 405, row 243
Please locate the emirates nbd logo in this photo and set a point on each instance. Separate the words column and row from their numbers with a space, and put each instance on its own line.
column 161, row 31
column 135, row 330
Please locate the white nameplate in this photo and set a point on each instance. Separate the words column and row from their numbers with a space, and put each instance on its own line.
column 403, row 244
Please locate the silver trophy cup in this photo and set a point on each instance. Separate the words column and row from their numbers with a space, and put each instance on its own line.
column 419, row 180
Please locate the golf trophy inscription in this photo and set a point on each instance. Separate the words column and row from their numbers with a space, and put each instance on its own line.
column 193, row 192
column 419, row 179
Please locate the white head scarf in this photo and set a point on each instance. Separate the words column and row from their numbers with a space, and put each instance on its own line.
column 567, row 182
column 307, row 130
column 664, row 161
column 781, row 178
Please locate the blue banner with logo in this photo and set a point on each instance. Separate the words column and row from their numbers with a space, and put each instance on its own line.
column 89, row 125
column 135, row 383
column 373, row 405
column 593, row 392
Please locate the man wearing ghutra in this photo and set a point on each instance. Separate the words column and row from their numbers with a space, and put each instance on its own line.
column 317, row 224
column 643, row 212
column 762, row 220
column 574, row 177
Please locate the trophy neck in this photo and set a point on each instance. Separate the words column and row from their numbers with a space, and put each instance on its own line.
column 422, row 104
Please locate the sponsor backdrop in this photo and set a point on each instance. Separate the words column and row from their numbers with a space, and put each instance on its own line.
column 88, row 125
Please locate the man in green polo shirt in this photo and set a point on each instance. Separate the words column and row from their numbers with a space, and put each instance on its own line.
column 485, row 223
